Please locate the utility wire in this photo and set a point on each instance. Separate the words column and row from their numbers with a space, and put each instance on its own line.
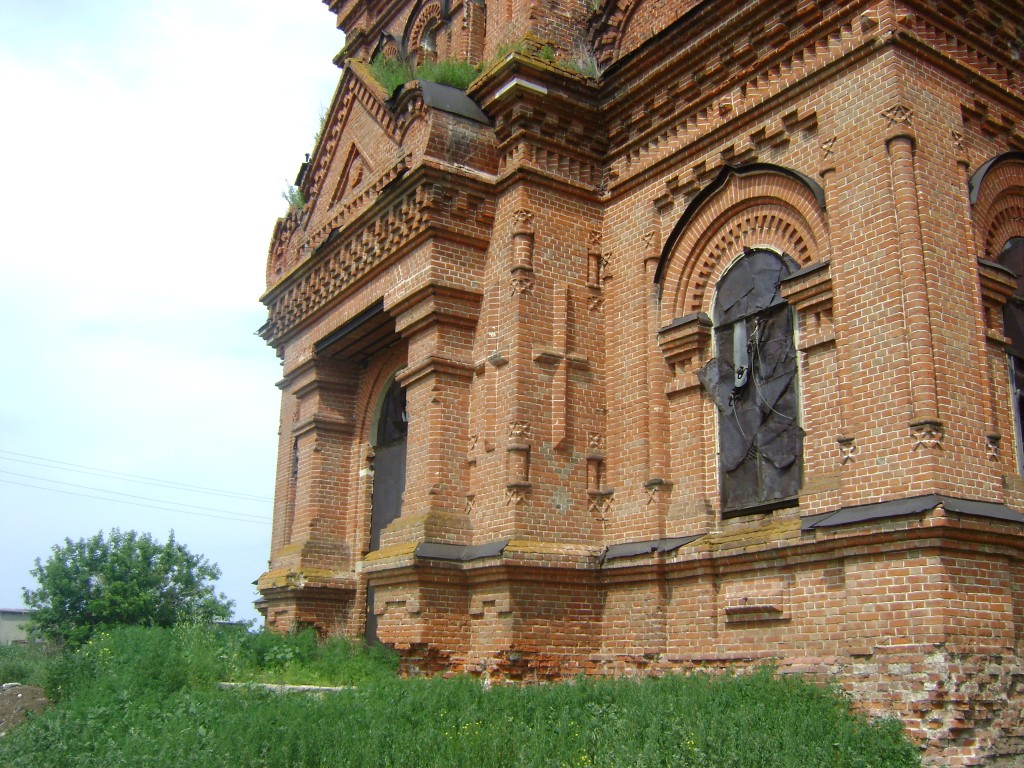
column 82, row 469
column 133, row 496
column 134, row 503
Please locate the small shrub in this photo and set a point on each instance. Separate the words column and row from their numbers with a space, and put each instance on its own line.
column 585, row 62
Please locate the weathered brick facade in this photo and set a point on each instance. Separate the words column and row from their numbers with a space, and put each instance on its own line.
column 612, row 463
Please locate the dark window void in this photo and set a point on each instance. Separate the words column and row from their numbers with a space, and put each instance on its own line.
column 392, row 423
column 388, row 463
column 388, row 479
column 1012, row 257
column 753, row 381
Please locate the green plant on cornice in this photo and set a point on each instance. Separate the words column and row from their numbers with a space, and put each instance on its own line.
column 585, row 61
column 457, row 74
column 320, row 130
column 392, row 72
column 294, row 197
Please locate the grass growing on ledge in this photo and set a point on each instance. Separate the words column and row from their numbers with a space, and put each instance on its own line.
column 392, row 73
column 146, row 698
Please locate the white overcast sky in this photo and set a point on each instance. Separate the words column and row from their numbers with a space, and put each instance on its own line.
column 144, row 146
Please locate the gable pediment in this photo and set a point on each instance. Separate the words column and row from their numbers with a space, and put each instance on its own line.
column 359, row 137
column 354, row 171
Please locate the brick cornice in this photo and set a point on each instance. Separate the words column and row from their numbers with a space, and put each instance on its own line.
column 428, row 202
column 946, row 533
column 546, row 119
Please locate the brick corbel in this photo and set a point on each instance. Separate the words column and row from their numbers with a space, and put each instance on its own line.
column 433, row 305
column 684, row 344
column 997, row 286
column 809, row 292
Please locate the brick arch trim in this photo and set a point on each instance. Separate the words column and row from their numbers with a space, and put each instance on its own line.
column 422, row 14
column 388, row 45
column 978, row 178
column 755, row 207
column 711, row 190
column 376, row 379
column 997, row 198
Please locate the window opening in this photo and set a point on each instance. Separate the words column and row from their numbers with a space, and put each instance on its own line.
column 753, row 382
column 389, row 453
column 1012, row 257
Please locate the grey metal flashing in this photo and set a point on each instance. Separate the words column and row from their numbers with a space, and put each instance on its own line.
column 361, row 319
column 913, row 506
column 809, row 269
column 699, row 317
column 982, row 509
column 998, row 267
column 428, row 550
column 452, row 100
column 975, row 182
column 634, row 548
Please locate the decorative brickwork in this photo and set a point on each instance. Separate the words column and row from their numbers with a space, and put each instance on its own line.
column 705, row 322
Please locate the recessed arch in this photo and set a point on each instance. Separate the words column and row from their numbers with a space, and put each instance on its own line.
column 756, row 206
column 389, row 47
column 977, row 179
column 997, row 202
column 426, row 19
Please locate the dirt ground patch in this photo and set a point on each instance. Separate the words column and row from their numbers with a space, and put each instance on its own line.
column 15, row 701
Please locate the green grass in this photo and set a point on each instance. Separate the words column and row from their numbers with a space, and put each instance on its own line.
column 392, row 73
column 26, row 664
column 147, row 698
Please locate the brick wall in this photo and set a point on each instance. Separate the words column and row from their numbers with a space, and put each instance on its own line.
column 541, row 278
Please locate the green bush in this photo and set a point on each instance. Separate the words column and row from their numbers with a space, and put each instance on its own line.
column 126, row 578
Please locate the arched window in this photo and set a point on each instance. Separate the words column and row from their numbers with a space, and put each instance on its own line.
column 1012, row 257
column 389, row 451
column 753, row 381
column 388, row 462
column 428, row 40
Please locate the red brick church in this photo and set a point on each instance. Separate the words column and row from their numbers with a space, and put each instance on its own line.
column 689, row 335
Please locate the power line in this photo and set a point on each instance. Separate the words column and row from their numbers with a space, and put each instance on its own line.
column 134, row 503
column 81, row 469
column 133, row 496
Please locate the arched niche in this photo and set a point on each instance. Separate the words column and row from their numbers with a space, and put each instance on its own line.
column 754, row 206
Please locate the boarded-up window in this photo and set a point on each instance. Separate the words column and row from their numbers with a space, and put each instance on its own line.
column 1012, row 257
column 753, row 381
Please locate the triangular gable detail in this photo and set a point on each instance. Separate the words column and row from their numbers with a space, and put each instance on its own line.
column 357, row 87
column 354, row 172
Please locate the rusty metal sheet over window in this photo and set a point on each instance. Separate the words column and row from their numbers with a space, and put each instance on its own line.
column 753, row 382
